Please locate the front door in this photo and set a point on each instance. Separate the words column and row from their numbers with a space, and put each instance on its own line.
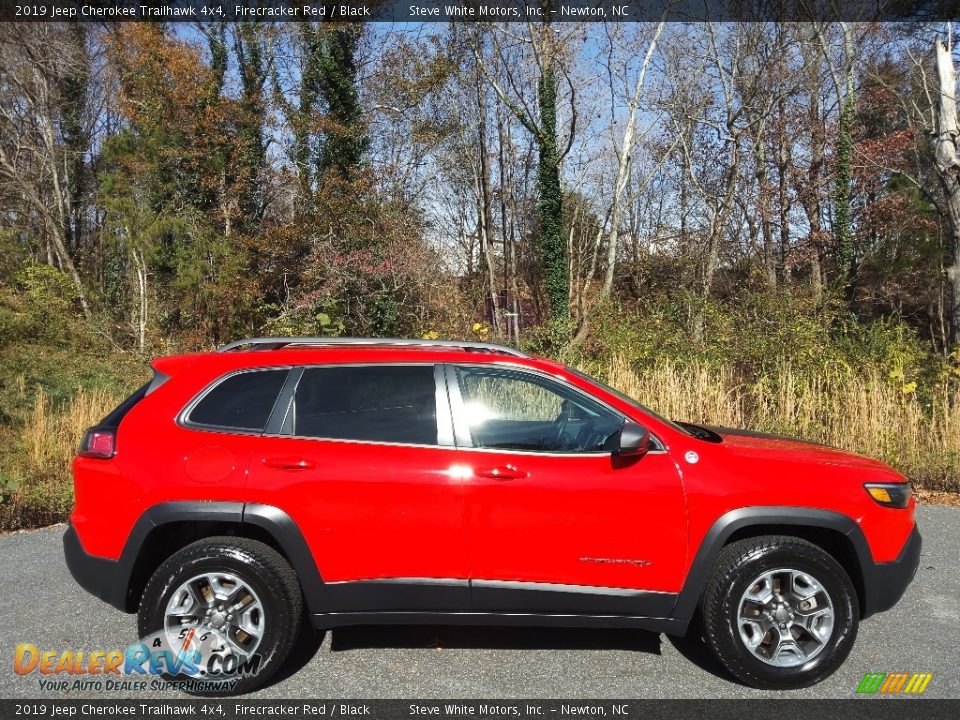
column 555, row 522
column 363, row 463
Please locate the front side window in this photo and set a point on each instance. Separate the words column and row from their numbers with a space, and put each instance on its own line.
column 380, row 403
column 241, row 402
column 511, row 410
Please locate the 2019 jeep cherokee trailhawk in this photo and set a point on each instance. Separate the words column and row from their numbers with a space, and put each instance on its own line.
column 382, row 481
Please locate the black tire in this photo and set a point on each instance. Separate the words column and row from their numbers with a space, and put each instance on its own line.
column 258, row 565
column 737, row 566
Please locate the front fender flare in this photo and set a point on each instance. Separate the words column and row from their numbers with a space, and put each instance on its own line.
column 729, row 523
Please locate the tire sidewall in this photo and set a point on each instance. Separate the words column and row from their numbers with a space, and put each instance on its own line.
column 845, row 609
column 248, row 568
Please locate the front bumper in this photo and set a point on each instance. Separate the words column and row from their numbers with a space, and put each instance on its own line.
column 98, row 576
column 885, row 583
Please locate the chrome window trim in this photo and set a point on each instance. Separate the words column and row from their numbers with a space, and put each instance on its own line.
column 594, row 454
column 444, row 435
column 183, row 417
column 443, row 379
column 553, row 453
column 377, row 443
column 462, row 430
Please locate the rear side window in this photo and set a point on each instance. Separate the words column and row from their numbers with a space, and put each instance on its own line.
column 395, row 404
column 242, row 402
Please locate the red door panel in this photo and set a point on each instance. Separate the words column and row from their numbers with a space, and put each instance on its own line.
column 576, row 520
column 547, row 500
column 367, row 473
column 367, row 510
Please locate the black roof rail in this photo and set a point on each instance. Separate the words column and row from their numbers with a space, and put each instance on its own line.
column 275, row 343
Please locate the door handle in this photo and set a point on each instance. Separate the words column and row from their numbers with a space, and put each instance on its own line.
column 501, row 472
column 289, row 463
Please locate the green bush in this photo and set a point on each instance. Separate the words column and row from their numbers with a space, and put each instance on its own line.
column 758, row 333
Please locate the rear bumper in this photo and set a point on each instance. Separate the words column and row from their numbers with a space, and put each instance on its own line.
column 885, row 583
column 98, row 576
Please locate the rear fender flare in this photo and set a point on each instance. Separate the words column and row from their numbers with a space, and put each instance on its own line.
column 287, row 534
column 272, row 520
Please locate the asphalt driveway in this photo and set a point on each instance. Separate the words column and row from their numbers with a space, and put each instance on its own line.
column 42, row 605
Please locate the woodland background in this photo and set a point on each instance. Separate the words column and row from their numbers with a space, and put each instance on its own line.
column 751, row 224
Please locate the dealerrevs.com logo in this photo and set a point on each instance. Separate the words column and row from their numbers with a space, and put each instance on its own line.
column 189, row 660
column 900, row 683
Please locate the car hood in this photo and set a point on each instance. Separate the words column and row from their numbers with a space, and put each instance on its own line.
column 778, row 447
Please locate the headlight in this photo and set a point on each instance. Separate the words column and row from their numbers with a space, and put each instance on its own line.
column 895, row 495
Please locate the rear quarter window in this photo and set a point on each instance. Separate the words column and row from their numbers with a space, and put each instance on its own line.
column 240, row 402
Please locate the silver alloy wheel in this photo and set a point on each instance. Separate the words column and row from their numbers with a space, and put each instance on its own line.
column 785, row 617
column 221, row 602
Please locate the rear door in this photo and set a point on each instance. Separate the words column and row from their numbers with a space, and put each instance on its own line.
column 362, row 458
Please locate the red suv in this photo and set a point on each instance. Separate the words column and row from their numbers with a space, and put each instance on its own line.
column 385, row 481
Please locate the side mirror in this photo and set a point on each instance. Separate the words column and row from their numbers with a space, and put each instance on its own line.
column 634, row 441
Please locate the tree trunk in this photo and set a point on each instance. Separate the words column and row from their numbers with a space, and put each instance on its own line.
column 810, row 196
column 843, row 232
column 549, row 192
column 843, row 229
column 140, row 268
column 615, row 210
column 346, row 140
column 948, row 169
column 784, row 161
column 763, row 203
column 509, row 263
column 76, row 136
column 252, row 50
column 485, row 204
column 623, row 171
column 303, row 134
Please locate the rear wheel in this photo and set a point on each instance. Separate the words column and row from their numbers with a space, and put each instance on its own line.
column 779, row 612
column 232, row 605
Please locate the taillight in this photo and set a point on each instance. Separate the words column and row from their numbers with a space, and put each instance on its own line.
column 98, row 443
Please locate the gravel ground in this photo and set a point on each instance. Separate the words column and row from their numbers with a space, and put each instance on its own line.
column 921, row 634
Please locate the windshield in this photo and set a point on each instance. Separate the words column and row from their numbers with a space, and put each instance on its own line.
column 630, row 401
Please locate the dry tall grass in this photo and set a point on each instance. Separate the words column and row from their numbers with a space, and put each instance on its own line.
column 35, row 482
column 858, row 411
column 51, row 436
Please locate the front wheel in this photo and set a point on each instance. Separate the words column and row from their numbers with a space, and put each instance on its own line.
column 222, row 613
column 779, row 612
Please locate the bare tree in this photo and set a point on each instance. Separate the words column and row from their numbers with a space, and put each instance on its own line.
column 547, row 47
column 948, row 165
column 623, row 197
column 809, row 184
column 35, row 61
column 710, row 123
column 625, row 154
